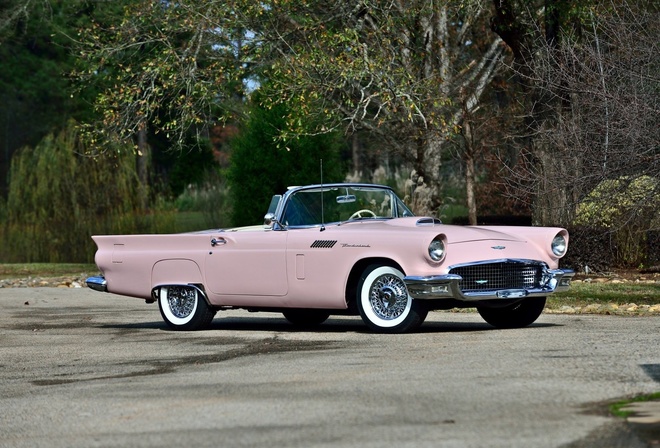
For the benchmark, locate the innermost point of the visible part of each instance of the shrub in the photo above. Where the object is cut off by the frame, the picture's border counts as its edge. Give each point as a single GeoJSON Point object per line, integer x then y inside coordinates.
{"type": "Point", "coordinates": [627, 208]}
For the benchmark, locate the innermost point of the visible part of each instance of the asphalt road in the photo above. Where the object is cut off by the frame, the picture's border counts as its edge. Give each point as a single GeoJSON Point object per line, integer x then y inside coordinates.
{"type": "Point", "coordinates": [80, 368]}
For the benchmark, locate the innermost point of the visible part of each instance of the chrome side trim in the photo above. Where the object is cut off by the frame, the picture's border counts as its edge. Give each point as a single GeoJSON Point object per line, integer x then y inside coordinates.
{"type": "Point", "coordinates": [447, 287]}
{"type": "Point", "coordinates": [97, 283]}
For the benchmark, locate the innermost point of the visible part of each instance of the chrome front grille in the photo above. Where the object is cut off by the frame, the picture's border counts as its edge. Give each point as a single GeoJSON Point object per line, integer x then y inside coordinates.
{"type": "Point", "coordinates": [499, 275]}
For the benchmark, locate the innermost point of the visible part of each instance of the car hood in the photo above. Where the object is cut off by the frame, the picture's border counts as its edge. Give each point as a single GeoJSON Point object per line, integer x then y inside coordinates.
{"type": "Point", "coordinates": [459, 234]}
{"type": "Point", "coordinates": [454, 234]}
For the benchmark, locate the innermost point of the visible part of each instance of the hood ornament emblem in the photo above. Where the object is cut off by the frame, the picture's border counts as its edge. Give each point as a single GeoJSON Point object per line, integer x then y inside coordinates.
{"type": "Point", "coordinates": [498, 247]}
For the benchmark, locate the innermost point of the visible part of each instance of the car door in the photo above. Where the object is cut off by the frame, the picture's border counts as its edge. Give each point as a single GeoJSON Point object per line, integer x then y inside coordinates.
{"type": "Point", "coordinates": [318, 267]}
{"type": "Point", "coordinates": [251, 262]}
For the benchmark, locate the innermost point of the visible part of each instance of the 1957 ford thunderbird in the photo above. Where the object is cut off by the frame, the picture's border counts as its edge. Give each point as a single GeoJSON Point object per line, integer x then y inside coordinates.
{"type": "Point", "coordinates": [339, 249]}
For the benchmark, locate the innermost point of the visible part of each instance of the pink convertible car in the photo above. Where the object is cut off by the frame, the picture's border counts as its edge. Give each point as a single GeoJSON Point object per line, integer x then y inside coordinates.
{"type": "Point", "coordinates": [339, 249]}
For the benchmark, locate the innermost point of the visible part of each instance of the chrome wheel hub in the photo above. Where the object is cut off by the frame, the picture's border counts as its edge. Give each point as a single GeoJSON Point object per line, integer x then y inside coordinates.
{"type": "Point", "coordinates": [388, 297]}
{"type": "Point", "coordinates": [181, 301]}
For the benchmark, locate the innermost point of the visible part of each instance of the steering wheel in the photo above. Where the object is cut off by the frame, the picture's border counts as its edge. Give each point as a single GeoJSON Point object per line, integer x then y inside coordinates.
{"type": "Point", "coordinates": [362, 213]}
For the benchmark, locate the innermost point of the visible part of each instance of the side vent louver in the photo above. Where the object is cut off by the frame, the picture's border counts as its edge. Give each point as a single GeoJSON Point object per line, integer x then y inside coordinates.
{"type": "Point", "coordinates": [323, 244]}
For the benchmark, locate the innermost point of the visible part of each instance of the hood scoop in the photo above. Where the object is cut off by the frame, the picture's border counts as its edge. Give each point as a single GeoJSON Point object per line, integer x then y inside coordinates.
{"type": "Point", "coordinates": [428, 222]}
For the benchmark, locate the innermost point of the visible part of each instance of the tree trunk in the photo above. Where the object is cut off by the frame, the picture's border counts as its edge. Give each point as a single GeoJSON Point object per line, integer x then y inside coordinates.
{"type": "Point", "coordinates": [469, 185]}
{"type": "Point", "coordinates": [470, 175]}
{"type": "Point", "coordinates": [551, 206]}
{"type": "Point", "coordinates": [427, 183]}
{"type": "Point", "coordinates": [355, 150]}
{"type": "Point", "coordinates": [143, 167]}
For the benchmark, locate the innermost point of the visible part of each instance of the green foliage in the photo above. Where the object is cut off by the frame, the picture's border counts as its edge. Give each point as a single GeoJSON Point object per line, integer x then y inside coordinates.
{"type": "Point", "coordinates": [617, 201]}
{"type": "Point", "coordinates": [59, 197]}
{"type": "Point", "coordinates": [3, 210]}
{"type": "Point", "coordinates": [210, 198]}
{"type": "Point", "coordinates": [369, 66]}
{"type": "Point", "coordinates": [36, 40]}
{"type": "Point", "coordinates": [626, 206]}
{"type": "Point", "coordinates": [262, 165]}
{"type": "Point", "coordinates": [165, 64]}
{"type": "Point", "coordinates": [189, 169]}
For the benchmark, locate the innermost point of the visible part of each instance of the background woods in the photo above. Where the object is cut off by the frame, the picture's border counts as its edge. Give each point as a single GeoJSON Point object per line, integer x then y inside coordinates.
{"type": "Point", "coordinates": [134, 115]}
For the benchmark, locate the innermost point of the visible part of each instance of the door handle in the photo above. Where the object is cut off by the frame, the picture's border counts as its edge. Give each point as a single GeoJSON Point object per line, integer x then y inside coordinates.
{"type": "Point", "coordinates": [218, 241]}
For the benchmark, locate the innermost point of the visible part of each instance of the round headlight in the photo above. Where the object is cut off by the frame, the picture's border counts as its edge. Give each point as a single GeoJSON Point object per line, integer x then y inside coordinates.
{"type": "Point", "coordinates": [559, 245]}
{"type": "Point", "coordinates": [437, 249]}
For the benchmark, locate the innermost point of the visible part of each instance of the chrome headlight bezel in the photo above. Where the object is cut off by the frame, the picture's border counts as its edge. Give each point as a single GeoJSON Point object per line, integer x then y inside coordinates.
{"type": "Point", "coordinates": [559, 245]}
{"type": "Point", "coordinates": [437, 249]}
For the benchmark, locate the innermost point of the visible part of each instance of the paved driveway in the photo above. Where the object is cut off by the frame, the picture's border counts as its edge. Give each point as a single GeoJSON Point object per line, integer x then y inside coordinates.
{"type": "Point", "coordinates": [80, 369]}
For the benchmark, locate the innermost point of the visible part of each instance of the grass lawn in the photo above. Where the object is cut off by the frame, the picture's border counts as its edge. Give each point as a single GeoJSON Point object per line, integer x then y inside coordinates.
{"type": "Point", "coordinates": [587, 293]}
{"type": "Point", "coordinates": [22, 270]}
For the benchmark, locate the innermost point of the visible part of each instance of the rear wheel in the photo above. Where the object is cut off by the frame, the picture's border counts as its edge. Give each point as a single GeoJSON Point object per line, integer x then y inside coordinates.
{"type": "Point", "coordinates": [184, 308]}
{"type": "Point", "coordinates": [519, 315]}
{"type": "Point", "coordinates": [306, 317]}
{"type": "Point", "coordinates": [384, 303]}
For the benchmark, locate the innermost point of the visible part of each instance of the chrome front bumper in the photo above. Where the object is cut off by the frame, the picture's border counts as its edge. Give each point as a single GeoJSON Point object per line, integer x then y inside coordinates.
{"type": "Point", "coordinates": [448, 287]}
{"type": "Point", "coordinates": [97, 284]}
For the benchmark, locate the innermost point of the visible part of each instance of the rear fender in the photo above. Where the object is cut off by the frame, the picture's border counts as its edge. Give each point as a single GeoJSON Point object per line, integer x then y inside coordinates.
{"type": "Point", "coordinates": [176, 272]}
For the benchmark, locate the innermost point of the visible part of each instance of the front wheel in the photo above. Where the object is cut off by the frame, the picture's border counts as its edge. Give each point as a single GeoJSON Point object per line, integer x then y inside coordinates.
{"type": "Point", "coordinates": [384, 303]}
{"type": "Point", "coordinates": [184, 308]}
{"type": "Point", "coordinates": [518, 315]}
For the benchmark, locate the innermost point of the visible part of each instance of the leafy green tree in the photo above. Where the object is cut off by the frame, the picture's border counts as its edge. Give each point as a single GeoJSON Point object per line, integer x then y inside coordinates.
{"type": "Point", "coordinates": [261, 167]}
{"type": "Point", "coordinates": [168, 67]}
{"type": "Point", "coordinates": [58, 197]}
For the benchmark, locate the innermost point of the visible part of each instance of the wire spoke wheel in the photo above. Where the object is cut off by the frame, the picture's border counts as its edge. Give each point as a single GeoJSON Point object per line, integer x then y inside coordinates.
{"type": "Point", "coordinates": [182, 301]}
{"type": "Point", "coordinates": [384, 303]}
{"type": "Point", "coordinates": [184, 307]}
{"type": "Point", "coordinates": [388, 297]}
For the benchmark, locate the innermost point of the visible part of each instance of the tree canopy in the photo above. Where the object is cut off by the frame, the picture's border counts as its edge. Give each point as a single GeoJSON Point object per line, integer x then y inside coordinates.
{"type": "Point", "coordinates": [406, 74]}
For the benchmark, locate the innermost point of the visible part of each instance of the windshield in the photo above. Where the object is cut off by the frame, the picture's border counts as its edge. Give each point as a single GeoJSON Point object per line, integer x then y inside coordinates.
{"type": "Point", "coordinates": [317, 206]}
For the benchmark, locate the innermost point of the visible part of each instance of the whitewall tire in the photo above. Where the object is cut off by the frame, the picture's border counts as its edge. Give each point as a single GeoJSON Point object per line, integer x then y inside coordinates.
{"type": "Point", "coordinates": [384, 303]}
{"type": "Point", "coordinates": [183, 307]}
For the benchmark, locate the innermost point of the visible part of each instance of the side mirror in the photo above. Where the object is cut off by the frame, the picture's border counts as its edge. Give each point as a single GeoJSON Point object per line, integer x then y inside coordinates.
{"type": "Point", "coordinates": [269, 219]}
{"type": "Point", "coordinates": [271, 222]}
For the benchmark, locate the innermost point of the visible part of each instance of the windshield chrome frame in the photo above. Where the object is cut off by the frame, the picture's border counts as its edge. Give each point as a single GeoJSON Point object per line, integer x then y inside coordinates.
{"type": "Point", "coordinates": [281, 207]}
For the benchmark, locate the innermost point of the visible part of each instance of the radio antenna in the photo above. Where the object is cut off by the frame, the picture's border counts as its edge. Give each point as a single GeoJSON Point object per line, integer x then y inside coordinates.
{"type": "Point", "coordinates": [322, 217]}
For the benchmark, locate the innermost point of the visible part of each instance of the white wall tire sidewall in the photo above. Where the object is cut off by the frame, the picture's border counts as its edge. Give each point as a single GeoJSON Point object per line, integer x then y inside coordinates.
{"type": "Point", "coordinates": [366, 305]}
{"type": "Point", "coordinates": [167, 311]}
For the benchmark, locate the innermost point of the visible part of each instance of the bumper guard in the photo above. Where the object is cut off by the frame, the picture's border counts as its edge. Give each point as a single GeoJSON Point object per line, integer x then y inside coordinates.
{"type": "Point", "coordinates": [448, 287]}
